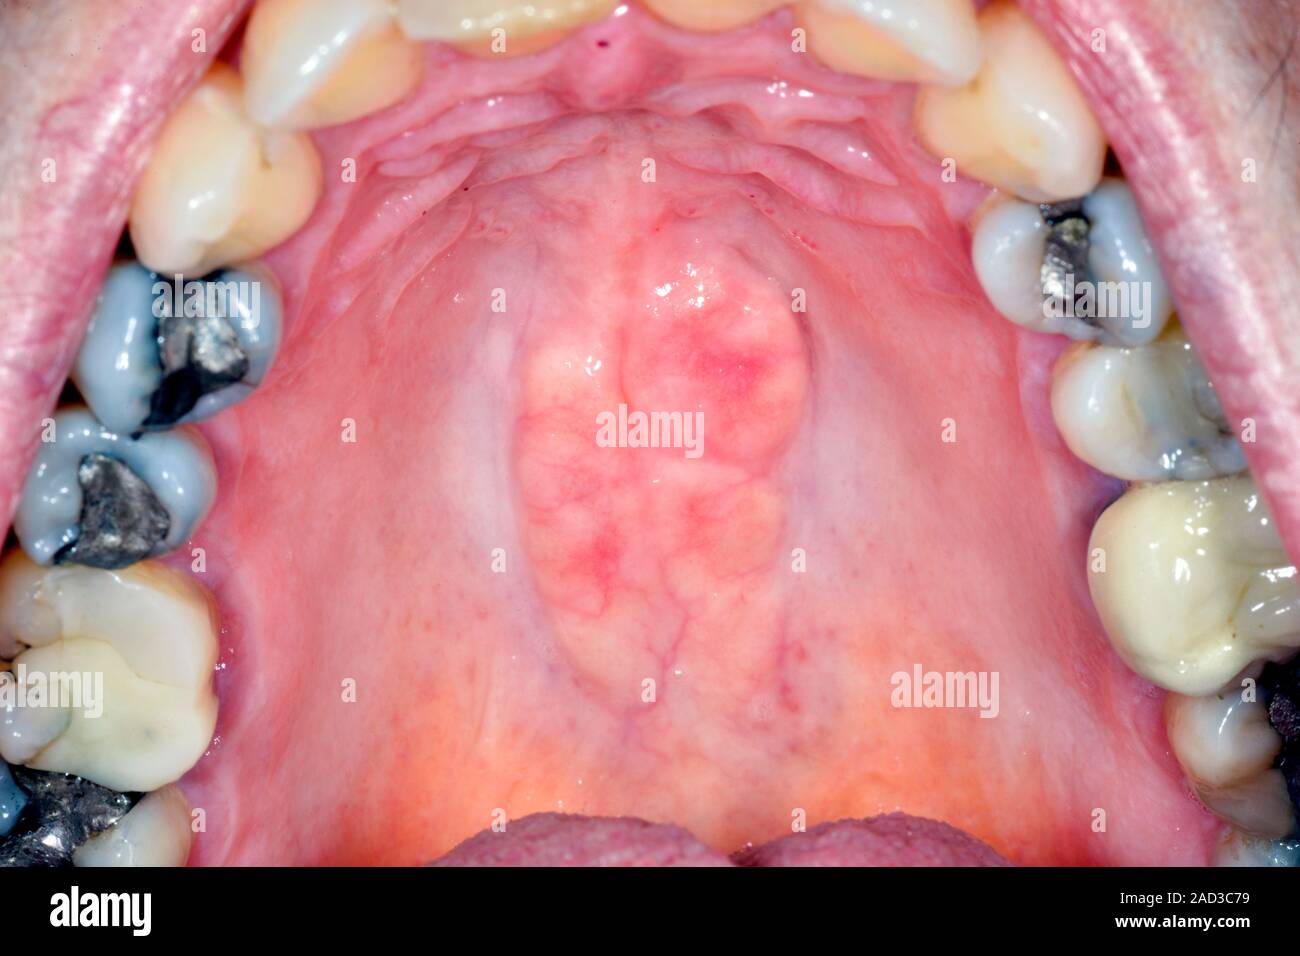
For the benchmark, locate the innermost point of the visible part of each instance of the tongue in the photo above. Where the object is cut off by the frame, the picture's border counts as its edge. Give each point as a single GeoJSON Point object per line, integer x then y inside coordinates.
{"type": "Point", "coordinates": [424, 633]}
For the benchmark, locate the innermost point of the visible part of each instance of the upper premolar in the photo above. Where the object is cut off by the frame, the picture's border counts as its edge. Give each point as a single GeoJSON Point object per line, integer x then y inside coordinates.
{"type": "Point", "coordinates": [1090, 273]}
{"type": "Point", "coordinates": [146, 365]}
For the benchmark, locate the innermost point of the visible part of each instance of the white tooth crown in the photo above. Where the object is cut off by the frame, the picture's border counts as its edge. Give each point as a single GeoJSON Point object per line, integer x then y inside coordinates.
{"type": "Point", "coordinates": [146, 635]}
{"type": "Point", "coordinates": [1022, 124]}
{"type": "Point", "coordinates": [1226, 747]}
{"type": "Point", "coordinates": [1192, 584]}
{"type": "Point", "coordinates": [711, 16]}
{"type": "Point", "coordinates": [1143, 414]}
{"type": "Point", "coordinates": [313, 63]}
{"type": "Point", "coordinates": [219, 188]}
{"type": "Point", "coordinates": [526, 24]}
{"type": "Point", "coordinates": [931, 41]}
{"type": "Point", "coordinates": [156, 832]}
{"type": "Point", "coordinates": [1119, 251]}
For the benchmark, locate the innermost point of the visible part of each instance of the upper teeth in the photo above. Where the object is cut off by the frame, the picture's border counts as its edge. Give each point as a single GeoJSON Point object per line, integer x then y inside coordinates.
{"type": "Point", "coordinates": [1022, 124]}
{"type": "Point", "coordinates": [1143, 414]}
{"type": "Point", "coordinates": [717, 15]}
{"type": "Point", "coordinates": [218, 188]}
{"type": "Point", "coordinates": [1226, 747]}
{"type": "Point", "coordinates": [175, 466]}
{"type": "Point", "coordinates": [120, 369]}
{"type": "Point", "coordinates": [468, 21]}
{"type": "Point", "coordinates": [1192, 584]}
{"type": "Point", "coordinates": [145, 637]}
{"type": "Point", "coordinates": [313, 63]}
{"type": "Point", "coordinates": [156, 832]}
{"type": "Point", "coordinates": [1124, 299]}
{"type": "Point", "coordinates": [1241, 849]}
{"type": "Point", "coordinates": [935, 41]}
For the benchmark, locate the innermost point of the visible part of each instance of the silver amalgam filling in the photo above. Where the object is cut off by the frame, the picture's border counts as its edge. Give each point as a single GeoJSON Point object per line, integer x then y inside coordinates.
{"type": "Point", "coordinates": [167, 350]}
{"type": "Point", "coordinates": [94, 496]}
{"type": "Point", "coordinates": [122, 520]}
{"type": "Point", "coordinates": [1065, 252]}
{"type": "Point", "coordinates": [200, 355]}
{"type": "Point", "coordinates": [61, 814]}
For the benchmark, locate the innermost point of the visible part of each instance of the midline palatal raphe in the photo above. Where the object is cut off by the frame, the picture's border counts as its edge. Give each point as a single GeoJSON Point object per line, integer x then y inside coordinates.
{"type": "Point", "coordinates": [637, 429]}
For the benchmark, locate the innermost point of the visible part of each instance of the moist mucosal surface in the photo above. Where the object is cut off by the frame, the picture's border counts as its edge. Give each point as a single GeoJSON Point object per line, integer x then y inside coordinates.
{"type": "Point", "coordinates": [628, 631]}
{"type": "Point", "coordinates": [475, 558]}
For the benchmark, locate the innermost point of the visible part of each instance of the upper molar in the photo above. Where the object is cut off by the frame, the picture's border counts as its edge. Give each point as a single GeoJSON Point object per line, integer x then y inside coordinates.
{"type": "Point", "coordinates": [1022, 124]}
{"type": "Point", "coordinates": [148, 364]}
{"type": "Point", "coordinates": [145, 637]}
{"type": "Point", "coordinates": [313, 63]}
{"type": "Point", "coordinates": [99, 498]}
{"type": "Point", "coordinates": [520, 26]}
{"type": "Point", "coordinates": [1226, 747]}
{"type": "Point", "coordinates": [1242, 849]}
{"type": "Point", "coordinates": [1192, 584]}
{"type": "Point", "coordinates": [930, 41]}
{"type": "Point", "coordinates": [711, 15]}
{"type": "Point", "coordinates": [156, 832]}
{"type": "Point", "coordinates": [1143, 414]}
{"type": "Point", "coordinates": [219, 188]}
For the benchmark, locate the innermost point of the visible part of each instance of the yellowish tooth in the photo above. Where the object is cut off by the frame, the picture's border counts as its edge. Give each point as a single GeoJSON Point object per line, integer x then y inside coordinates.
{"type": "Point", "coordinates": [1022, 124]}
{"type": "Point", "coordinates": [913, 41]}
{"type": "Point", "coordinates": [1226, 747]}
{"type": "Point", "coordinates": [140, 645]}
{"type": "Point", "coordinates": [499, 27]}
{"type": "Point", "coordinates": [711, 16]}
{"type": "Point", "coordinates": [313, 63]}
{"type": "Point", "coordinates": [1192, 584]}
{"type": "Point", "coordinates": [156, 832]}
{"type": "Point", "coordinates": [218, 188]}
